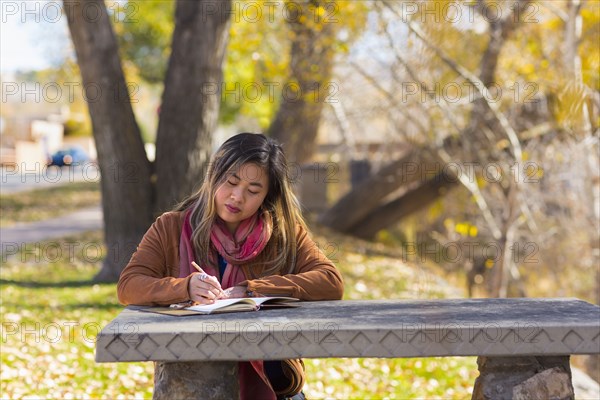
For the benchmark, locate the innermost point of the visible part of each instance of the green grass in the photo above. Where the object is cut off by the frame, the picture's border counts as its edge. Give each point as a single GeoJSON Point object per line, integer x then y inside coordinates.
{"type": "Point", "coordinates": [37, 205]}
{"type": "Point", "coordinates": [51, 313]}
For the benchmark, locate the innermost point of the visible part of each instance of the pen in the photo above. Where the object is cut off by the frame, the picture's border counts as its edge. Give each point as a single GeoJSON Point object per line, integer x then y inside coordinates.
{"type": "Point", "coordinates": [197, 267]}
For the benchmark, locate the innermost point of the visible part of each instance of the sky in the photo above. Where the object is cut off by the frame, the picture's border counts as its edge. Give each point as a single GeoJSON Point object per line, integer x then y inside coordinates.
{"type": "Point", "coordinates": [32, 35]}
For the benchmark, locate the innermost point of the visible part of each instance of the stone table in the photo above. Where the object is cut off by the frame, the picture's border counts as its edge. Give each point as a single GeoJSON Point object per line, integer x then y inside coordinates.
{"type": "Point", "coordinates": [515, 339]}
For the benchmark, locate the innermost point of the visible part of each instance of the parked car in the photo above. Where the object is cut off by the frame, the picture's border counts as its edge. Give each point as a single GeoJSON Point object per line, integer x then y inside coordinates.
{"type": "Point", "coordinates": [69, 156]}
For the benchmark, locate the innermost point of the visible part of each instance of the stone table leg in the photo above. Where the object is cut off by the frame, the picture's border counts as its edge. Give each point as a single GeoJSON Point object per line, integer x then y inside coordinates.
{"type": "Point", "coordinates": [196, 380]}
{"type": "Point", "coordinates": [526, 377]}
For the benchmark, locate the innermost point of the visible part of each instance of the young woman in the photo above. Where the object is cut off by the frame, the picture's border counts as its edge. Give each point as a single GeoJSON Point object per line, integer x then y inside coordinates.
{"type": "Point", "coordinates": [244, 228]}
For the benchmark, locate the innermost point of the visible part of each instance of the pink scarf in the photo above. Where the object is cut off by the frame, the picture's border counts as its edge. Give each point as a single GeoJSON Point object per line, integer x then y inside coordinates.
{"type": "Point", "coordinates": [250, 238]}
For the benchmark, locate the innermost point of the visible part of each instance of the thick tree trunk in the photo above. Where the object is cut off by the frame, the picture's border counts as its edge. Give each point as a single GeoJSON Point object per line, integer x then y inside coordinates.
{"type": "Point", "coordinates": [499, 30]}
{"type": "Point", "coordinates": [354, 207]}
{"type": "Point", "coordinates": [411, 202]}
{"type": "Point", "coordinates": [124, 168]}
{"type": "Point", "coordinates": [190, 103]}
{"type": "Point", "coordinates": [307, 89]}
{"type": "Point", "coordinates": [188, 118]}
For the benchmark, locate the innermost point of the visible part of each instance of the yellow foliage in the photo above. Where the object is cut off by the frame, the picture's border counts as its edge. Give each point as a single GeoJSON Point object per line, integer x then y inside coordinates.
{"type": "Point", "coordinates": [568, 107]}
{"type": "Point", "coordinates": [465, 229]}
{"type": "Point", "coordinates": [461, 228]}
{"type": "Point", "coordinates": [481, 182]}
{"type": "Point", "coordinates": [534, 55]}
{"type": "Point", "coordinates": [436, 210]}
{"type": "Point", "coordinates": [319, 11]}
{"type": "Point", "coordinates": [258, 53]}
{"type": "Point", "coordinates": [472, 231]}
{"type": "Point", "coordinates": [527, 69]}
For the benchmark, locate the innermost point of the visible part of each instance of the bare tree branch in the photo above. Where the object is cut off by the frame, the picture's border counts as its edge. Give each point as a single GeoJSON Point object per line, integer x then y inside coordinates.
{"type": "Point", "coordinates": [389, 96]}
{"type": "Point", "coordinates": [473, 80]}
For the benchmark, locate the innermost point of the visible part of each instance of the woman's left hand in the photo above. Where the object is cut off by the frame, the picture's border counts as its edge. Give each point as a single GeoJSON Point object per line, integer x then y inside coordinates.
{"type": "Point", "coordinates": [234, 292]}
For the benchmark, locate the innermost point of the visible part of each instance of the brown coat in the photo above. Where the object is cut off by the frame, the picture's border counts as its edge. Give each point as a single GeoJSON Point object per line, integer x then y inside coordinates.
{"type": "Point", "coordinates": [151, 277]}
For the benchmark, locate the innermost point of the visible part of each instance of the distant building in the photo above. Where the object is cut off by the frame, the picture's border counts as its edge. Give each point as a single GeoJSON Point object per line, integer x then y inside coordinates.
{"type": "Point", "coordinates": [32, 123]}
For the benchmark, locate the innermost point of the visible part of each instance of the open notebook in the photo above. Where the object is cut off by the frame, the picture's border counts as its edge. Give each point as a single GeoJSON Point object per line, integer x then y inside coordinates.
{"type": "Point", "coordinates": [227, 305]}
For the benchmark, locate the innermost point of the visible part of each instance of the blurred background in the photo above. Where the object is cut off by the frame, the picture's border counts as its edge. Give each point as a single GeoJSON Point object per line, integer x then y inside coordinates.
{"type": "Point", "coordinates": [459, 139]}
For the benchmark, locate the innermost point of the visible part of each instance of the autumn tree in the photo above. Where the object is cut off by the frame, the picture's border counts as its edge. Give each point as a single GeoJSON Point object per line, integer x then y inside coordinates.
{"type": "Point", "coordinates": [134, 190]}
{"type": "Point", "coordinates": [311, 62]}
{"type": "Point", "coordinates": [473, 127]}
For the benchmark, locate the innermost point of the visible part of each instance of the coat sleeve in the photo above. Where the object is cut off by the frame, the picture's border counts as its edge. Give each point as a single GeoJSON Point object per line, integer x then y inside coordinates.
{"type": "Point", "coordinates": [149, 277]}
{"type": "Point", "coordinates": [314, 278]}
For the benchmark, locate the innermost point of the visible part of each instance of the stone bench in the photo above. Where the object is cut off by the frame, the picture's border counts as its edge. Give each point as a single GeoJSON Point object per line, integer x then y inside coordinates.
{"type": "Point", "coordinates": [514, 339]}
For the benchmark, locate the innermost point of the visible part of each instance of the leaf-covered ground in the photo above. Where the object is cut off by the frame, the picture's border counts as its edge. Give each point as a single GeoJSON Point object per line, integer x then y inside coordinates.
{"type": "Point", "coordinates": [51, 313]}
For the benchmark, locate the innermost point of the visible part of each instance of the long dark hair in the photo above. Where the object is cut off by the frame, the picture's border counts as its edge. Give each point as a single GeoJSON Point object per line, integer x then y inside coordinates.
{"type": "Point", "coordinates": [280, 200]}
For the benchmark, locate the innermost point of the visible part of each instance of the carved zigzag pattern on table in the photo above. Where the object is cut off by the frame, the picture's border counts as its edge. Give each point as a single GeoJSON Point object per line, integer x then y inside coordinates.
{"type": "Point", "coordinates": [489, 340]}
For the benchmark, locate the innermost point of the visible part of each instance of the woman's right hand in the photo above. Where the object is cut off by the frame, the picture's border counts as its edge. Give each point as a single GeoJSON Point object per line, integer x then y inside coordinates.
{"type": "Point", "coordinates": [204, 288]}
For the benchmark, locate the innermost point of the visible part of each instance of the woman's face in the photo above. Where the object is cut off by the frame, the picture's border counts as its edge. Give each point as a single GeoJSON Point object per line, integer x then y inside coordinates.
{"type": "Point", "coordinates": [241, 195]}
